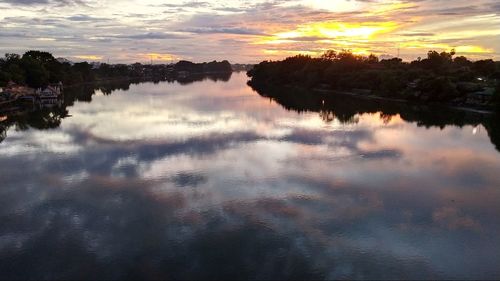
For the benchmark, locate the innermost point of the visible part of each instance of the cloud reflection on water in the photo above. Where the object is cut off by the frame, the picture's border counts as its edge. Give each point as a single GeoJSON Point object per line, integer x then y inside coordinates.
{"type": "Point", "coordinates": [210, 180]}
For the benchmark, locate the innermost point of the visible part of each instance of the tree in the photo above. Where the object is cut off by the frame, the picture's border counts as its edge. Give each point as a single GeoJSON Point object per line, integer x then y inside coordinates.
{"type": "Point", "coordinates": [42, 57]}
{"type": "Point", "coordinates": [438, 61]}
{"type": "Point", "coordinates": [462, 61]}
{"type": "Point", "coordinates": [392, 63]}
{"type": "Point", "coordinates": [372, 59]}
{"type": "Point", "coordinates": [85, 70]}
{"type": "Point", "coordinates": [10, 69]}
{"type": "Point", "coordinates": [36, 75]}
{"type": "Point", "coordinates": [484, 67]}
{"type": "Point", "coordinates": [329, 55]}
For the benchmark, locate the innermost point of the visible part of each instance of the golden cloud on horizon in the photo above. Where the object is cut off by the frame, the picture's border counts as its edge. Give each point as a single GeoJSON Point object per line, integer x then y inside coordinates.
{"type": "Point", "coordinates": [385, 8]}
{"type": "Point", "coordinates": [362, 38]}
{"type": "Point", "coordinates": [88, 57]}
{"type": "Point", "coordinates": [334, 30]}
{"type": "Point", "coordinates": [159, 57]}
{"type": "Point", "coordinates": [328, 35]}
{"type": "Point", "coordinates": [467, 49]}
{"type": "Point", "coordinates": [290, 52]}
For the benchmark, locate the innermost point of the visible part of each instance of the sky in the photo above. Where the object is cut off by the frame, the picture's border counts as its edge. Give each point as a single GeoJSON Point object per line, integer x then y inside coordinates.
{"type": "Point", "coordinates": [241, 31]}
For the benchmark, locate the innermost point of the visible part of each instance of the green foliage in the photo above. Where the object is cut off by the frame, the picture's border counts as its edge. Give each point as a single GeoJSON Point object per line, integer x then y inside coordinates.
{"type": "Point", "coordinates": [438, 89]}
{"type": "Point", "coordinates": [329, 55]}
{"type": "Point", "coordinates": [33, 68]}
{"type": "Point", "coordinates": [37, 69]}
{"type": "Point", "coordinates": [210, 67]}
{"type": "Point", "coordinates": [462, 61]}
{"type": "Point", "coordinates": [392, 63]}
{"type": "Point", "coordinates": [434, 78]}
{"type": "Point", "coordinates": [391, 83]}
{"type": "Point", "coordinates": [10, 69]}
{"type": "Point", "coordinates": [436, 62]}
{"type": "Point", "coordinates": [496, 97]}
{"type": "Point", "coordinates": [35, 73]}
{"type": "Point", "coordinates": [41, 57]}
{"type": "Point", "coordinates": [484, 68]}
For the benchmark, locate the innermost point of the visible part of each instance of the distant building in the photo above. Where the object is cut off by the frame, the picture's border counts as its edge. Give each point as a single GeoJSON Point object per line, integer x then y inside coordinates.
{"type": "Point", "coordinates": [49, 91]}
{"type": "Point", "coordinates": [242, 67]}
{"type": "Point", "coordinates": [64, 60]}
{"type": "Point", "coordinates": [51, 94]}
{"type": "Point", "coordinates": [95, 65]}
{"type": "Point", "coordinates": [15, 90]}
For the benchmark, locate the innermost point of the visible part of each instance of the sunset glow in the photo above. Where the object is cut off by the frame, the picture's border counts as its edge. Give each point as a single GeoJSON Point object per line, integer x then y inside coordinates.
{"type": "Point", "coordinates": [122, 31]}
{"type": "Point", "coordinates": [88, 57]}
{"type": "Point", "coordinates": [249, 139]}
{"type": "Point", "coordinates": [159, 57]}
{"type": "Point", "coordinates": [336, 30]}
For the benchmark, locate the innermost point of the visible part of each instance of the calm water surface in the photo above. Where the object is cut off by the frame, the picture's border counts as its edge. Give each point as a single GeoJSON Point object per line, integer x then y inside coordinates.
{"type": "Point", "coordinates": [212, 180]}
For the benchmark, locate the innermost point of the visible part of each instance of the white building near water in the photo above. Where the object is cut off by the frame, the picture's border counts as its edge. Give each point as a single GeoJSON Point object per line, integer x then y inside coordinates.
{"type": "Point", "coordinates": [51, 90]}
{"type": "Point", "coordinates": [51, 94]}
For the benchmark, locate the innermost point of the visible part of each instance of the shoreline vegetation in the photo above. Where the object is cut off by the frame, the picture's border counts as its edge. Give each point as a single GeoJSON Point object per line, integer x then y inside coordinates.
{"type": "Point", "coordinates": [329, 85]}
{"type": "Point", "coordinates": [440, 78]}
{"type": "Point", "coordinates": [32, 94]}
{"type": "Point", "coordinates": [346, 109]}
{"type": "Point", "coordinates": [32, 79]}
{"type": "Point", "coordinates": [37, 69]}
{"type": "Point", "coordinates": [51, 116]}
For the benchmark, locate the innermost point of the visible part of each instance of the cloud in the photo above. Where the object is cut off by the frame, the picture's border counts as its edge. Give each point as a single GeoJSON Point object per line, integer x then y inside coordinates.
{"type": "Point", "coordinates": [226, 30]}
{"type": "Point", "coordinates": [417, 34]}
{"type": "Point", "coordinates": [189, 4]}
{"type": "Point", "coordinates": [58, 3]}
{"type": "Point", "coordinates": [87, 18]}
{"type": "Point", "coordinates": [177, 207]}
{"type": "Point", "coordinates": [253, 28]}
{"type": "Point", "coordinates": [150, 35]}
{"type": "Point", "coordinates": [25, 2]}
{"type": "Point", "coordinates": [453, 219]}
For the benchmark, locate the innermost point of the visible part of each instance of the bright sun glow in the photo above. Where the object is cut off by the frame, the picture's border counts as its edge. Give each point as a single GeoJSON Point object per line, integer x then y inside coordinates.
{"type": "Point", "coordinates": [243, 31]}
{"type": "Point", "coordinates": [335, 30]}
{"type": "Point", "coordinates": [466, 49]}
{"type": "Point", "coordinates": [327, 35]}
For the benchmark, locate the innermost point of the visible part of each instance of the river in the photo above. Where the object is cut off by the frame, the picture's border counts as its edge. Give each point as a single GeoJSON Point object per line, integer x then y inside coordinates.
{"type": "Point", "coordinates": [210, 180]}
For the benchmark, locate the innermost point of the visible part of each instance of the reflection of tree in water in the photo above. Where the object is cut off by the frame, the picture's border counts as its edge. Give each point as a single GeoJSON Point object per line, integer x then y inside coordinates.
{"type": "Point", "coordinates": [493, 129]}
{"type": "Point", "coordinates": [329, 116]}
{"type": "Point", "coordinates": [222, 76]}
{"type": "Point", "coordinates": [42, 120]}
{"type": "Point", "coordinates": [386, 118]}
{"type": "Point", "coordinates": [84, 92]}
{"type": "Point", "coordinates": [3, 133]}
{"type": "Point", "coordinates": [50, 118]}
{"type": "Point", "coordinates": [346, 109]}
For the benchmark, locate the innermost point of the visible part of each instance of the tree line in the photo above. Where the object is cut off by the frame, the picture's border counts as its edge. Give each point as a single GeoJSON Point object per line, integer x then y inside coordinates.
{"type": "Point", "coordinates": [38, 69]}
{"type": "Point", "coordinates": [438, 77]}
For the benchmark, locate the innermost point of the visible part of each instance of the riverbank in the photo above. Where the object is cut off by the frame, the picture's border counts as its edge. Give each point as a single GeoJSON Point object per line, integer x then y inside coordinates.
{"type": "Point", "coordinates": [491, 110]}
{"type": "Point", "coordinates": [487, 107]}
{"type": "Point", "coordinates": [438, 79]}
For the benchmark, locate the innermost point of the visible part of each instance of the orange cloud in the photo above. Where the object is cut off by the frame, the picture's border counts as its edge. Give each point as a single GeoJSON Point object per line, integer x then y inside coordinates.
{"type": "Point", "coordinates": [159, 57]}
{"type": "Point", "coordinates": [88, 57]}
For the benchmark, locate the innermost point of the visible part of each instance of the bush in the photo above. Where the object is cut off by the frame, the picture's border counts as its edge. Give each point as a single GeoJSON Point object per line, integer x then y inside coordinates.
{"type": "Point", "coordinates": [496, 97]}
